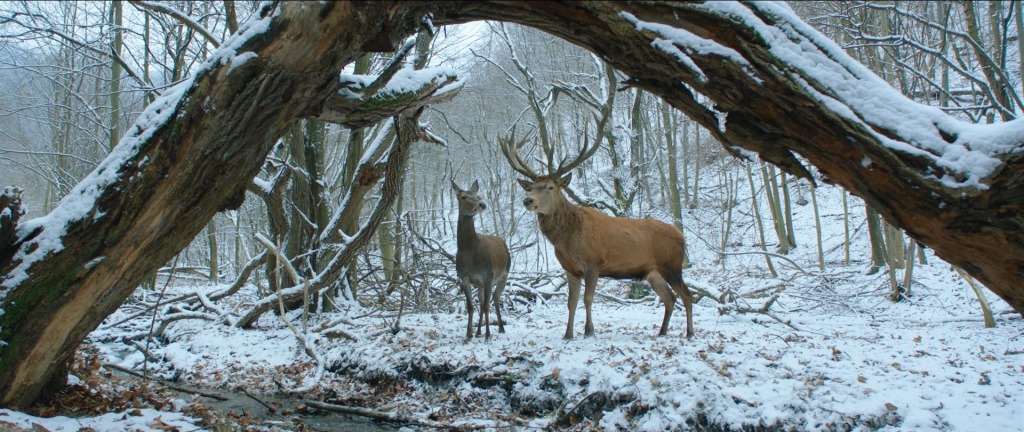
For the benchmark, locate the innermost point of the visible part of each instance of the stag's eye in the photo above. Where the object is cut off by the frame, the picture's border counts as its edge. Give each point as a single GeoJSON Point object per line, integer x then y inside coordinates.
{"type": "Point", "coordinates": [551, 188]}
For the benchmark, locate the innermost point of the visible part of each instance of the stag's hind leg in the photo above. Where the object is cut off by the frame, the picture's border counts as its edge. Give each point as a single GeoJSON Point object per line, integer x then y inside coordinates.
{"type": "Point", "coordinates": [590, 281]}
{"type": "Point", "coordinates": [684, 291]}
{"type": "Point", "coordinates": [661, 287]}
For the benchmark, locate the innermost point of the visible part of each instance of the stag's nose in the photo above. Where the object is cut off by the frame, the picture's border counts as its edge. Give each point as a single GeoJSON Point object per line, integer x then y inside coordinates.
{"type": "Point", "coordinates": [528, 202]}
{"type": "Point", "coordinates": [483, 206]}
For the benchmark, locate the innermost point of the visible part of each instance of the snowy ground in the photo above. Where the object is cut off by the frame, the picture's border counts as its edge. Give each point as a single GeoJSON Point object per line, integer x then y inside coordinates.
{"type": "Point", "coordinates": [144, 419]}
{"type": "Point", "coordinates": [866, 364]}
{"type": "Point", "coordinates": [832, 354]}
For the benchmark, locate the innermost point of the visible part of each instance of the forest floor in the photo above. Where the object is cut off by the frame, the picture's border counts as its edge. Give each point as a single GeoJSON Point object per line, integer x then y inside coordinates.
{"type": "Point", "coordinates": [831, 353]}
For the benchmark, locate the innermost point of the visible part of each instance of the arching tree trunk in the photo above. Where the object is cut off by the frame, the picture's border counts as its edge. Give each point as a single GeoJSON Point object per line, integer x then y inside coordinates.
{"type": "Point", "coordinates": [779, 89]}
{"type": "Point", "coordinates": [192, 153]}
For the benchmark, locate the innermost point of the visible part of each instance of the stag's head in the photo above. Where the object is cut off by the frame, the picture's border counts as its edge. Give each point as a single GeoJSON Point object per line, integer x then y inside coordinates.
{"type": "Point", "coordinates": [544, 192]}
{"type": "Point", "coordinates": [470, 203]}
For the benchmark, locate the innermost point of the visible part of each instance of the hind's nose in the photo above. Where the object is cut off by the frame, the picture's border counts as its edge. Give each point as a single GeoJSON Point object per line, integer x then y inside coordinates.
{"type": "Point", "coordinates": [483, 206]}
{"type": "Point", "coordinates": [528, 202]}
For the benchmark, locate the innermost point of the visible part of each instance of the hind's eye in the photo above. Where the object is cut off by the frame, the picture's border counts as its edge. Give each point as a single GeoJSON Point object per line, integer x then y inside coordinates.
{"type": "Point", "coordinates": [551, 188]}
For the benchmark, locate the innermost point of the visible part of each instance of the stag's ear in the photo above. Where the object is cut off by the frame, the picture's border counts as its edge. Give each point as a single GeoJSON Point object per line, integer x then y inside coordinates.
{"type": "Point", "coordinates": [564, 181]}
{"type": "Point", "coordinates": [456, 187]}
{"type": "Point", "coordinates": [475, 187]}
{"type": "Point", "coordinates": [525, 184]}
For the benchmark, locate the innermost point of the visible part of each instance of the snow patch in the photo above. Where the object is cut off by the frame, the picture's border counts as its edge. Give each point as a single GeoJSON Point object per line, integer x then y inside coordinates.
{"type": "Point", "coordinates": [406, 80]}
{"type": "Point", "coordinates": [241, 59]}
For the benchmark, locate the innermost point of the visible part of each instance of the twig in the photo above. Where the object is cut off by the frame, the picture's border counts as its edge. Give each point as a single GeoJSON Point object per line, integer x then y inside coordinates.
{"type": "Point", "coordinates": [773, 255]}
{"type": "Point", "coordinates": [176, 387]}
{"type": "Point", "coordinates": [986, 310]}
{"type": "Point", "coordinates": [181, 17]}
{"type": "Point", "coordinates": [284, 262]}
{"type": "Point", "coordinates": [258, 400]}
{"type": "Point", "coordinates": [178, 316]}
{"type": "Point", "coordinates": [152, 322]}
{"type": "Point", "coordinates": [239, 282]}
{"type": "Point", "coordinates": [391, 416]}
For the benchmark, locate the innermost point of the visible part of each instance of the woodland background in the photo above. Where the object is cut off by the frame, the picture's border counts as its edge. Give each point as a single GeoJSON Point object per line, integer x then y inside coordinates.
{"type": "Point", "coordinates": [74, 75]}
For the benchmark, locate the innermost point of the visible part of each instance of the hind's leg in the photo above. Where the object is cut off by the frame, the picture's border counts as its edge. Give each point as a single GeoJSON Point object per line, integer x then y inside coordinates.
{"type": "Point", "coordinates": [498, 289]}
{"type": "Point", "coordinates": [485, 309]}
{"type": "Point", "coordinates": [467, 289]}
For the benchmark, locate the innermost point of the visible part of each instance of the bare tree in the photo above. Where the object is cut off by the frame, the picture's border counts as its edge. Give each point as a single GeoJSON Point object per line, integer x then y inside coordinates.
{"type": "Point", "coordinates": [161, 185]}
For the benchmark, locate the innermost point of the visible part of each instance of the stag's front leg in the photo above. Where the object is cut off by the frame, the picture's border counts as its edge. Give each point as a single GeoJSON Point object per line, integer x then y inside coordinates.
{"type": "Point", "coordinates": [467, 289]}
{"type": "Point", "coordinates": [588, 301]}
{"type": "Point", "coordinates": [574, 299]}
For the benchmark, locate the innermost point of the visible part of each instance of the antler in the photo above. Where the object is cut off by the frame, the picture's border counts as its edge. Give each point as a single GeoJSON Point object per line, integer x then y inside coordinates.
{"type": "Point", "coordinates": [585, 153]}
{"type": "Point", "coordinates": [510, 148]}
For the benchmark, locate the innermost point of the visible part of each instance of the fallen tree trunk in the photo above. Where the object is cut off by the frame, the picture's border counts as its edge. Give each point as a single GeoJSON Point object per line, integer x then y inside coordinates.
{"type": "Point", "coordinates": [192, 153]}
{"type": "Point", "coordinates": [785, 93]}
{"type": "Point", "coordinates": [779, 90]}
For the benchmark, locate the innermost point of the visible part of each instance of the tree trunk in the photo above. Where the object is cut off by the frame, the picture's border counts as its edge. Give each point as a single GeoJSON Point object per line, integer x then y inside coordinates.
{"type": "Point", "coordinates": [878, 257]}
{"type": "Point", "coordinates": [760, 223]}
{"type": "Point", "coordinates": [185, 159]}
{"type": "Point", "coordinates": [817, 230]}
{"type": "Point", "coordinates": [116, 9]}
{"type": "Point", "coordinates": [211, 237]}
{"type": "Point", "coordinates": [774, 201]}
{"type": "Point", "coordinates": [787, 212]}
{"type": "Point", "coordinates": [1019, 21]}
{"type": "Point", "coordinates": [189, 157]}
{"type": "Point", "coordinates": [675, 201]}
{"type": "Point", "coordinates": [997, 86]}
{"type": "Point", "coordinates": [230, 17]}
{"type": "Point", "coordinates": [846, 230]}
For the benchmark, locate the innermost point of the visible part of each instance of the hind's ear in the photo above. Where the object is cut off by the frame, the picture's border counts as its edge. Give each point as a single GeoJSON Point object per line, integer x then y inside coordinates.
{"type": "Point", "coordinates": [525, 184]}
{"type": "Point", "coordinates": [456, 187]}
{"type": "Point", "coordinates": [476, 187]}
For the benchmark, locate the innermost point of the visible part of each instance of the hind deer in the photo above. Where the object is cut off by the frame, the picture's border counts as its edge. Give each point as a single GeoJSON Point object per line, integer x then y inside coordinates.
{"type": "Point", "coordinates": [590, 244]}
{"type": "Point", "coordinates": [482, 261]}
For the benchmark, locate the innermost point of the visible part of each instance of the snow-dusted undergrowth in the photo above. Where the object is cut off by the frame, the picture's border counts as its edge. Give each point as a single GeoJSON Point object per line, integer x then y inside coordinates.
{"type": "Point", "coordinates": [835, 353]}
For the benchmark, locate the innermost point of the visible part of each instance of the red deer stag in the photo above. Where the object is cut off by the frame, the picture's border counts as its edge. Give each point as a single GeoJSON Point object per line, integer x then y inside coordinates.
{"type": "Point", "coordinates": [482, 261]}
{"type": "Point", "coordinates": [590, 244]}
